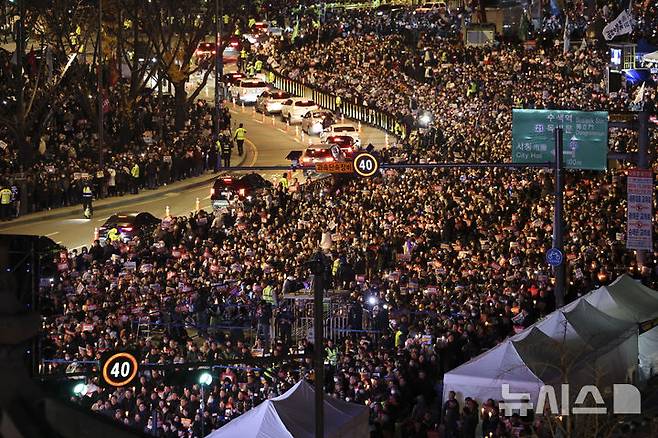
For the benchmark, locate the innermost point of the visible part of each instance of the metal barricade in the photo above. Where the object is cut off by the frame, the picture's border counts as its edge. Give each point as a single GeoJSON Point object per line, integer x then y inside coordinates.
{"type": "Point", "coordinates": [349, 109]}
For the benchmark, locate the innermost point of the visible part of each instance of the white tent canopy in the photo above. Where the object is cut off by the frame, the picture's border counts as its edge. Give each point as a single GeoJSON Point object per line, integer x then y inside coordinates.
{"type": "Point", "coordinates": [629, 300]}
{"type": "Point", "coordinates": [596, 335]}
{"type": "Point", "coordinates": [292, 415]}
{"type": "Point", "coordinates": [650, 59]}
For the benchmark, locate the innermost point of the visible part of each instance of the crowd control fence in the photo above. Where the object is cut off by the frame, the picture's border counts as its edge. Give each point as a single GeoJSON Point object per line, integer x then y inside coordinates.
{"type": "Point", "coordinates": [350, 109]}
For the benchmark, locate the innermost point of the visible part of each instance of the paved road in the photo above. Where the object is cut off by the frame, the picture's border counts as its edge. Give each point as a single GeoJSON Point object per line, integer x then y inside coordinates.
{"type": "Point", "coordinates": [268, 142]}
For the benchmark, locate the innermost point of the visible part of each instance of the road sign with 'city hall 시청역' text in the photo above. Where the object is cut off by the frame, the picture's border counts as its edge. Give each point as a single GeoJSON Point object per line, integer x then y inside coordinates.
{"type": "Point", "coordinates": [584, 136]}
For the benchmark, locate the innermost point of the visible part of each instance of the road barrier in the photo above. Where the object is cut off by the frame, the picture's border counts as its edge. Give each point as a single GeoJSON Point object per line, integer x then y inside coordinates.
{"type": "Point", "coordinates": [350, 109]}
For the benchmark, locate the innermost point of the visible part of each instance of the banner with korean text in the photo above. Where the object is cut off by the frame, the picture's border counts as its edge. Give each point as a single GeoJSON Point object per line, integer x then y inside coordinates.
{"type": "Point", "coordinates": [640, 199]}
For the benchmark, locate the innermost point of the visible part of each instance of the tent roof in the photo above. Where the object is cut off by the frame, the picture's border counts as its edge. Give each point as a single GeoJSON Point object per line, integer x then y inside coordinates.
{"type": "Point", "coordinates": [260, 422]}
{"type": "Point", "coordinates": [291, 415]}
{"type": "Point", "coordinates": [626, 299]}
{"type": "Point", "coordinates": [337, 413]}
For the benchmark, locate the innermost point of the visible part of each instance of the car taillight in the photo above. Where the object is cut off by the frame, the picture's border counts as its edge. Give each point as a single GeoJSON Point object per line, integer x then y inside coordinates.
{"type": "Point", "coordinates": [126, 229]}
{"type": "Point", "coordinates": [227, 180]}
{"type": "Point", "coordinates": [235, 44]}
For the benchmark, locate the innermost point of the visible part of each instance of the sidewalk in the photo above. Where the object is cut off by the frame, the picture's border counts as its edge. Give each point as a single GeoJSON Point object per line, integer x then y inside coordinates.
{"type": "Point", "coordinates": [113, 203]}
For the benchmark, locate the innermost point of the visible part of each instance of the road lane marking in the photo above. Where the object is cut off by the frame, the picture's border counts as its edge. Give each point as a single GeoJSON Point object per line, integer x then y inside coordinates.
{"type": "Point", "coordinates": [251, 143]}
{"type": "Point", "coordinates": [51, 234]}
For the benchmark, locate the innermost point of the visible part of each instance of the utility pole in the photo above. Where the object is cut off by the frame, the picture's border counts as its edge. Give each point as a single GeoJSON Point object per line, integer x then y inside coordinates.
{"type": "Point", "coordinates": [318, 267]}
{"type": "Point", "coordinates": [101, 98]}
{"type": "Point", "coordinates": [24, 152]}
{"type": "Point", "coordinates": [558, 225]}
{"type": "Point", "coordinates": [219, 63]}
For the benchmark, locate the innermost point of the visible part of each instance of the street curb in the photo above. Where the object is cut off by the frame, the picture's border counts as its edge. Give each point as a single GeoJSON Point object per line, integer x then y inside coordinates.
{"type": "Point", "coordinates": [63, 212]}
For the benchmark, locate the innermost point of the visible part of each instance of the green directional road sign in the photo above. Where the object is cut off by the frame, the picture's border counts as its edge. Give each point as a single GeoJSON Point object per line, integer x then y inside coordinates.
{"type": "Point", "coordinates": [585, 137]}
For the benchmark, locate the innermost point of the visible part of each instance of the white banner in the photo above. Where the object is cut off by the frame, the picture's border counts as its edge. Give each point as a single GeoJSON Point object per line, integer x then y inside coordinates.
{"type": "Point", "coordinates": [621, 25]}
{"type": "Point", "coordinates": [640, 200]}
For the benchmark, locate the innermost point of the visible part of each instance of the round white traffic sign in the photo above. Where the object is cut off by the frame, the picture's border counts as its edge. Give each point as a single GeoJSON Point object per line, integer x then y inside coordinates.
{"type": "Point", "coordinates": [366, 164]}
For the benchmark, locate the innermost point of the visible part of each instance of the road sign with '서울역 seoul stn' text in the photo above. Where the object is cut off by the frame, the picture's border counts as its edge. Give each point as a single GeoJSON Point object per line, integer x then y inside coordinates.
{"type": "Point", "coordinates": [584, 137]}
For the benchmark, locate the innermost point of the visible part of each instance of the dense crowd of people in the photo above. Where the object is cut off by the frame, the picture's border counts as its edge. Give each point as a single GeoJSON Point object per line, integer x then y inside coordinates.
{"type": "Point", "coordinates": [149, 155]}
{"type": "Point", "coordinates": [441, 264]}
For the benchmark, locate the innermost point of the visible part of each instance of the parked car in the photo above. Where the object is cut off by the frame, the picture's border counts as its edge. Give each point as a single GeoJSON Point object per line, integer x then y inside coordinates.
{"type": "Point", "coordinates": [227, 189]}
{"type": "Point", "coordinates": [294, 109]}
{"type": "Point", "coordinates": [346, 144]}
{"type": "Point", "coordinates": [248, 90]}
{"type": "Point", "coordinates": [316, 153]}
{"type": "Point", "coordinates": [270, 102]}
{"type": "Point", "coordinates": [341, 129]}
{"type": "Point", "coordinates": [314, 122]}
{"type": "Point", "coordinates": [129, 225]}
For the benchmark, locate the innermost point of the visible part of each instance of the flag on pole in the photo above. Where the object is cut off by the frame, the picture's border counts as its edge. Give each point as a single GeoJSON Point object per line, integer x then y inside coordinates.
{"type": "Point", "coordinates": [621, 25]}
{"type": "Point", "coordinates": [567, 33]}
{"type": "Point", "coordinates": [639, 96]}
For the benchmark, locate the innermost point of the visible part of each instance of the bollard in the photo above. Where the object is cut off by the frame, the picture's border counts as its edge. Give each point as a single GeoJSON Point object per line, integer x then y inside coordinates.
{"type": "Point", "coordinates": [197, 205]}
{"type": "Point", "coordinates": [296, 131]}
{"type": "Point", "coordinates": [242, 104]}
{"type": "Point", "coordinates": [359, 126]}
{"type": "Point", "coordinates": [342, 118]}
{"type": "Point", "coordinates": [263, 116]}
{"type": "Point", "coordinates": [234, 104]}
{"type": "Point", "coordinates": [386, 139]}
{"type": "Point", "coordinates": [96, 233]}
{"type": "Point", "coordinates": [302, 135]}
{"type": "Point", "coordinates": [287, 124]}
{"type": "Point", "coordinates": [167, 211]}
{"type": "Point", "coordinates": [273, 121]}
{"type": "Point", "coordinates": [253, 112]}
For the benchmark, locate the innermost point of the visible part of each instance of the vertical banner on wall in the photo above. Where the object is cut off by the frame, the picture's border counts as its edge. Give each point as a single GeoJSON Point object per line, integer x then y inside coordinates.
{"type": "Point", "coordinates": [640, 199]}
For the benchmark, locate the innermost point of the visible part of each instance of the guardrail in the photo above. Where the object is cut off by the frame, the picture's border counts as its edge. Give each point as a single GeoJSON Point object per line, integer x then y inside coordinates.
{"type": "Point", "coordinates": [362, 113]}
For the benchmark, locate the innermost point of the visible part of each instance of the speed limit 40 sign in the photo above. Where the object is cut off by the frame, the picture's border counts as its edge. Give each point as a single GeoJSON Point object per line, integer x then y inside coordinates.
{"type": "Point", "coordinates": [119, 368]}
{"type": "Point", "coordinates": [366, 165]}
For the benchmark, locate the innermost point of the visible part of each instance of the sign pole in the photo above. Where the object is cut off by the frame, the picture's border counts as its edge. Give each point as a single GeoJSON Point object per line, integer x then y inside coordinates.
{"type": "Point", "coordinates": [558, 225]}
{"type": "Point", "coordinates": [318, 269]}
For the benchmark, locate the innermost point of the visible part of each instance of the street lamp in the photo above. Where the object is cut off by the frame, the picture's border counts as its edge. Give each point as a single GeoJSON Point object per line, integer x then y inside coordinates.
{"type": "Point", "coordinates": [204, 379]}
{"type": "Point", "coordinates": [80, 389]}
{"type": "Point", "coordinates": [425, 119]}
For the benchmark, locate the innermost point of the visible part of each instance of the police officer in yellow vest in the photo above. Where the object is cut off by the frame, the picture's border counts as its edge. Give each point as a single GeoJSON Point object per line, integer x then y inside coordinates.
{"type": "Point", "coordinates": [284, 181]}
{"type": "Point", "coordinates": [252, 22]}
{"type": "Point", "coordinates": [268, 295]}
{"type": "Point", "coordinates": [5, 203]}
{"type": "Point", "coordinates": [87, 197]}
{"type": "Point", "coordinates": [258, 65]}
{"type": "Point", "coordinates": [134, 172]}
{"type": "Point", "coordinates": [226, 19]}
{"type": "Point", "coordinates": [113, 235]}
{"type": "Point", "coordinates": [472, 89]}
{"type": "Point", "coordinates": [270, 77]}
{"type": "Point", "coordinates": [239, 137]}
{"type": "Point", "coordinates": [397, 129]}
{"type": "Point", "coordinates": [339, 103]}
{"type": "Point", "coordinates": [242, 64]}
{"type": "Point", "coordinates": [331, 354]}
{"type": "Point", "coordinates": [251, 70]}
